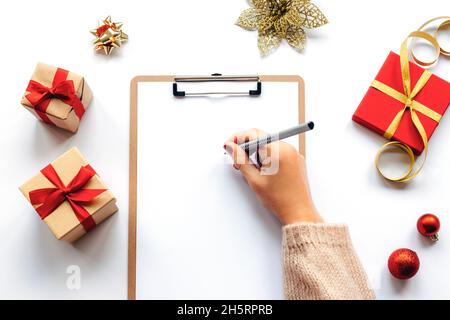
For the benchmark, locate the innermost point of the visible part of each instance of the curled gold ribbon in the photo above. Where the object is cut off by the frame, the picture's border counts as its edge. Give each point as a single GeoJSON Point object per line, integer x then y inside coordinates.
{"type": "Point", "coordinates": [443, 25]}
{"type": "Point", "coordinates": [407, 98]}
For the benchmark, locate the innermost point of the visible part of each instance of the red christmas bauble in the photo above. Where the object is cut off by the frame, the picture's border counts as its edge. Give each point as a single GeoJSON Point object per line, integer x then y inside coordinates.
{"type": "Point", "coordinates": [403, 263]}
{"type": "Point", "coordinates": [428, 225]}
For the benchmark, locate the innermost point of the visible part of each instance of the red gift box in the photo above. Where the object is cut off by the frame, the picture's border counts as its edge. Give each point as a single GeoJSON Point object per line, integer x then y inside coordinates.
{"type": "Point", "coordinates": [377, 110]}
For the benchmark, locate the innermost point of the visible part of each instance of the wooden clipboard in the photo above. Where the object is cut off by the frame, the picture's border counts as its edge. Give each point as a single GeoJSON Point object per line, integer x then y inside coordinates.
{"type": "Point", "coordinates": [133, 156]}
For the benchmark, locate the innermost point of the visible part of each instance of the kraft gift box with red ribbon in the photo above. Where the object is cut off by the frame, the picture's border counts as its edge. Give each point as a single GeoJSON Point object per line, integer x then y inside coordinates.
{"type": "Point", "coordinates": [70, 196]}
{"type": "Point", "coordinates": [57, 97]}
{"type": "Point", "coordinates": [386, 97]}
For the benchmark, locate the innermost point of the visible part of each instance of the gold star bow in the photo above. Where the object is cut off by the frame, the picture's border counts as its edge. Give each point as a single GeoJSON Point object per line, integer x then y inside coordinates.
{"type": "Point", "coordinates": [276, 20]}
{"type": "Point", "coordinates": [109, 36]}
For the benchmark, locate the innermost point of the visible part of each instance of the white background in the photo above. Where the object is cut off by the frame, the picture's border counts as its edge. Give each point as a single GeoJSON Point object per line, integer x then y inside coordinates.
{"type": "Point", "coordinates": [199, 37]}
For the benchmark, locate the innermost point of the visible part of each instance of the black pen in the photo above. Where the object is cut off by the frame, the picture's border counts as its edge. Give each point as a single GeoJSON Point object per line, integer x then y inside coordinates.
{"type": "Point", "coordinates": [251, 146]}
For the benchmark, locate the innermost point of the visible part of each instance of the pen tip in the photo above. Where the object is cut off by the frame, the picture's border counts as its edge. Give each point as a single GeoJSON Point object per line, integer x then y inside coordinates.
{"type": "Point", "coordinates": [311, 125]}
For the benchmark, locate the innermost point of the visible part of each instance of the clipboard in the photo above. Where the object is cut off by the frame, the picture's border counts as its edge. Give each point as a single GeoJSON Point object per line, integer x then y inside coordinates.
{"type": "Point", "coordinates": [257, 89]}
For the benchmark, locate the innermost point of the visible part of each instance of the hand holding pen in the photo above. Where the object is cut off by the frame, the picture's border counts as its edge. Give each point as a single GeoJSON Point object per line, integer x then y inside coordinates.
{"type": "Point", "coordinates": [285, 193]}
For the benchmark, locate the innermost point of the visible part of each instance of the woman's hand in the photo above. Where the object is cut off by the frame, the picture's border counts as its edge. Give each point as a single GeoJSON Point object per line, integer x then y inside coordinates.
{"type": "Point", "coordinates": [280, 182]}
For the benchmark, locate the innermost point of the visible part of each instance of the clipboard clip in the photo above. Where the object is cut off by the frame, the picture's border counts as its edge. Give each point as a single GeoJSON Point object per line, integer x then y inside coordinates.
{"type": "Point", "coordinates": [217, 77]}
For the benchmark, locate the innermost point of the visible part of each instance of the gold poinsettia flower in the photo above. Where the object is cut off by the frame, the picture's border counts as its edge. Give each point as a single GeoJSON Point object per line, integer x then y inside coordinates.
{"type": "Point", "coordinates": [276, 20]}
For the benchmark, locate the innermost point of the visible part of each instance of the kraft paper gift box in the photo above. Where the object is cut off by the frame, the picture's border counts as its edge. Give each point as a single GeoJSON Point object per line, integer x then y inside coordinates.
{"type": "Point", "coordinates": [377, 110]}
{"type": "Point", "coordinates": [57, 97]}
{"type": "Point", "coordinates": [69, 196]}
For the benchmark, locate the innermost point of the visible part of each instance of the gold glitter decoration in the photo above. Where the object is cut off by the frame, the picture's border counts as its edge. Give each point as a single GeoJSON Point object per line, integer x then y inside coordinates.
{"type": "Point", "coordinates": [109, 35]}
{"type": "Point", "coordinates": [276, 20]}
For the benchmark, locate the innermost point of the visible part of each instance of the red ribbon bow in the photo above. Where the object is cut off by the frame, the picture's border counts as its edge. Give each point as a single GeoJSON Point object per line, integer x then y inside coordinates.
{"type": "Point", "coordinates": [52, 198]}
{"type": "Point", "coordinates": [40, 96]}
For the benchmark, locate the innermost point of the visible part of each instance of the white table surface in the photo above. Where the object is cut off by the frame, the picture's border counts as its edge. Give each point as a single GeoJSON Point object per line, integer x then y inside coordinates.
{"type": "Point", "coordinates": [199, 37]}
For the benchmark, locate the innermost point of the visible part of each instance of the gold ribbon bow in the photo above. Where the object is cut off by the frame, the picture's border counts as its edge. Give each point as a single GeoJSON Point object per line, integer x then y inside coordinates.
{"type": "Point", "coordinates": [407, 98]}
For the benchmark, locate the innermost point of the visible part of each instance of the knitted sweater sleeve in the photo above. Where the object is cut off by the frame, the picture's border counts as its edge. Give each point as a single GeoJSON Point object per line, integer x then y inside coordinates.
{"type": "Point", "coordinates": [320, 263]}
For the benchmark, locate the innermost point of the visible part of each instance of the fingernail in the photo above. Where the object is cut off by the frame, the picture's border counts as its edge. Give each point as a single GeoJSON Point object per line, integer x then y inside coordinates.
{"type": "Point", "coordinates": [228, 148]}
{"type": "Point", "coordinates": [235, 140]}
{"type": "Point", "coordinates": [236, 166]}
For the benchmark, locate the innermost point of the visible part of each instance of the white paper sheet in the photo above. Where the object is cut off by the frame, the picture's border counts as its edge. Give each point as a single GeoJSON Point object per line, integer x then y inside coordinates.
{"type": "Point", "coordinates": [201, 232]}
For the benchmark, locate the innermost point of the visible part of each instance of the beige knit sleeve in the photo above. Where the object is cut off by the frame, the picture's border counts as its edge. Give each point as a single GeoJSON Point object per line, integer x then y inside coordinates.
{"type": "Point", "coordinates": [320, 263]}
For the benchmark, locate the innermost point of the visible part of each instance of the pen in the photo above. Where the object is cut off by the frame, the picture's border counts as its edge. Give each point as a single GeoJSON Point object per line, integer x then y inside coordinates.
{"type": "Point", "coordinates": [251, 146]}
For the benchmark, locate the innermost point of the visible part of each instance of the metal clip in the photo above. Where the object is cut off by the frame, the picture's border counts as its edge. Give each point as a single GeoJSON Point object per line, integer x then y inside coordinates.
{"type": "Point", "coordinates": [217, 77]}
